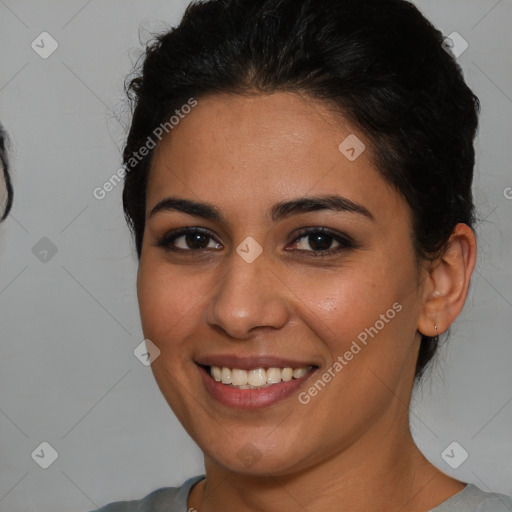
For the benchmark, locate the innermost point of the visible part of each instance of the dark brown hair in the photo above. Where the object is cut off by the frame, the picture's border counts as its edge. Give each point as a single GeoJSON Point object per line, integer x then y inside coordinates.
{"type": "Point", "coordinates": [381, 62]}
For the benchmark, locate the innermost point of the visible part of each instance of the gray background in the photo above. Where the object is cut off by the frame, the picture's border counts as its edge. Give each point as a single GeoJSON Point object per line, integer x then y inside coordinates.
{"type": "Point", "coordinates": [69, 324]}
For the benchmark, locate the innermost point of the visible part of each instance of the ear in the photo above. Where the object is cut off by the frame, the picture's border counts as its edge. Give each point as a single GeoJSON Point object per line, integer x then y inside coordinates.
{"type": "Point", "coordinates": [446, 285]}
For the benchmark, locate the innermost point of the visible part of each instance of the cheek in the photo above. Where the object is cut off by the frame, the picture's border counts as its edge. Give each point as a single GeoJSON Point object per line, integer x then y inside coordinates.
{"type": "Point", "coordinates": [170, 309]}
{"type": "Point", "coordinates": [370, 304]}
{"type": "Point", "coordinates": [342, 303]}
{"type": "Point", "coordinates": [367, 328]}
{"type": "Point", "coordinates": [170, 302]}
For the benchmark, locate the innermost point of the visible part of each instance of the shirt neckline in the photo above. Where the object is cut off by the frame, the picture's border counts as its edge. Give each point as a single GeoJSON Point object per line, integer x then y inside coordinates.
{"type": "Point", "coordinates": [184, 492]}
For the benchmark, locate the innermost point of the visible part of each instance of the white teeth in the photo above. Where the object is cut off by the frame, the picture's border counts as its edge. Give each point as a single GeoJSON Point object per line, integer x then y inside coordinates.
{"type": "Point", "coordinates": [258, 377]}
{"type": "Point", "coordinates": [287, 374]}
{"type": "Point", "coordinates": [274, 375]}
{"type": "Point", "coordinates": [215, 371]}
{"type": "Point", "coordinates": [299, 372]}
{"type": "Point", "coordinates": [239, 377]}
{"type": "Point", "coordinates": [225, 375]}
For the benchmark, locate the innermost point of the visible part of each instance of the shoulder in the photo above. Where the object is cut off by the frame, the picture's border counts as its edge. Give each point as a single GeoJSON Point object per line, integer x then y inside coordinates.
{"type": "Point", "coordinates": [165, 499]}
{"type": "Point", "coordinates": [474, 499]}
{"type": "Point", "coordinates": [492, 502]}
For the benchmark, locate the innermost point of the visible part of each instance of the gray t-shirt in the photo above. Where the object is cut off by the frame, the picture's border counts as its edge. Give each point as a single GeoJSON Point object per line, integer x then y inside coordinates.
{"type": "Point", "coordinates": [174, 499]}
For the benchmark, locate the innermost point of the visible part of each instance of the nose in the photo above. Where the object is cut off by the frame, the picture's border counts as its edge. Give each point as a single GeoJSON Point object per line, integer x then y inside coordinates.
{"type": "Point", "coordinates": [248, 297]}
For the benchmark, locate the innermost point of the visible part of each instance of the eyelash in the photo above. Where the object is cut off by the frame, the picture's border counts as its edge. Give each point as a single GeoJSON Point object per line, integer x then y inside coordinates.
{"type": "Point", "coordinates": [344, 241]}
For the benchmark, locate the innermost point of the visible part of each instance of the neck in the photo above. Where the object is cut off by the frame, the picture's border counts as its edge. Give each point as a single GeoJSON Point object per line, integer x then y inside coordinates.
{"type": "Point", "coordinates": [384, 470]}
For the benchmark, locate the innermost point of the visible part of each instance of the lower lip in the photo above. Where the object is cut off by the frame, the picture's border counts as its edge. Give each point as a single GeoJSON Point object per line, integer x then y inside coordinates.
{"type": "Point", "coordinates": [251, 398]}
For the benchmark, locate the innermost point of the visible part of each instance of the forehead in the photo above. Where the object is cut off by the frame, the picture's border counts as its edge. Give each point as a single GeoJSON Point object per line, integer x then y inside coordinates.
{"type": "Point", "coordinates": [239, 124]}
{"type": "Point", "coordinates": [262, 149]}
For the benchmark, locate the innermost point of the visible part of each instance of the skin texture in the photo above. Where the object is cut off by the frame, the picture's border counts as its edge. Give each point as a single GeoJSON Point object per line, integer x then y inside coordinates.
{"type": "Point", "coordinates": [350, 447]}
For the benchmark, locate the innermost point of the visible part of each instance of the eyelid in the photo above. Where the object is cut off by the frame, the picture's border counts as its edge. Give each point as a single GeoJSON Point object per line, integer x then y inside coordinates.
{"type": "Point", "coordinates": [345, 241]}
{"type": "Point", "coordinates": [321, 229]}
{"type": "Point", "coordinates": [165, 240]}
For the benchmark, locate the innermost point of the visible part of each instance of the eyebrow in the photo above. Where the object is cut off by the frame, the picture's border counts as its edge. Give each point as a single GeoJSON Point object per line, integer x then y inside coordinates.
{"type": "Point", "coordinates": [279, 211]}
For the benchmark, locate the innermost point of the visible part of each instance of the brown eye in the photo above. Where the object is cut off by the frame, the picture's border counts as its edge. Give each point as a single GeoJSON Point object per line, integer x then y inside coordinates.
{"type": "Point", "coordinates": [189, 239]}
{"type": "Point", "coordinates": [322, 241]}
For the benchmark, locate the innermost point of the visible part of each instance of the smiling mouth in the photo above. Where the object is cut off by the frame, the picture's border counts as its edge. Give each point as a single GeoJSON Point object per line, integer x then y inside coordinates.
{"type": "Point", "coordinates": [257, 378]}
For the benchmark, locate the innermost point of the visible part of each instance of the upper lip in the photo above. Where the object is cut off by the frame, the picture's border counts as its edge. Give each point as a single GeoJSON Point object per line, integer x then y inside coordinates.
{"type": "Point", "coordinates": [250, 362]}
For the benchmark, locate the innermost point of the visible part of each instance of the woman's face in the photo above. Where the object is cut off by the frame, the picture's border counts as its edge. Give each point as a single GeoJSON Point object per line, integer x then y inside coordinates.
{"type": "Point", "coordinates": [260, 287]}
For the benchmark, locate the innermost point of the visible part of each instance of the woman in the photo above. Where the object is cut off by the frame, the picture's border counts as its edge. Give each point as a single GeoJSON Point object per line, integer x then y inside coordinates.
{"type": "Point", "coordinates": [298, 181]}
{"type": "Point", "coordinates": [6, 192]}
